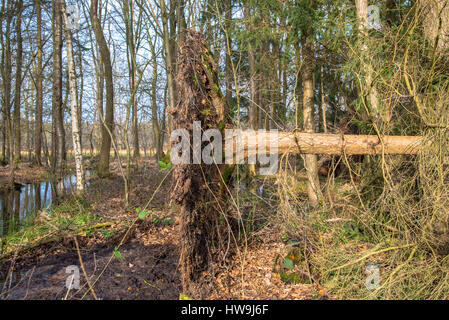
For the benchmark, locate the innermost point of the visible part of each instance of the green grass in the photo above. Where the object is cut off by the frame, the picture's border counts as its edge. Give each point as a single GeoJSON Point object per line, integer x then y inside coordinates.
{"type": "Point", "coordinates": [70, 217]}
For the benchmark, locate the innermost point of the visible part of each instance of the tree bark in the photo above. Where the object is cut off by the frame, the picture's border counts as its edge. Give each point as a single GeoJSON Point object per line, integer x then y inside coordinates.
{"type": "Point", "coordinates": [198, 184]}
{"type": "Point", "coordinates": [128, 15]}
{"type": "Point", "coordinates": [436, 22]}
{"type": "Point", "coordinates": [81, 91]}
{"type": "Point", "coordinates": [362, 22]}
{"type": "Point", "coordinates": [253, 107]}
{"type": "Point", "coordinates": [310, 161]}
{"type": "Point", "coordinates": [18, 84]}
{"type": "Point", "coordinates": [74, 108]}
{"type": "Point", "coordinates": [275, 85]}
{"type": "Point", "coordinates": [57, 104]}
{"type": "Point", "coordinates": [180, 20]}
{"type": "Point", "coordinates": [39, 95]}
{"type": "Point", "coordinates": [228, 52]}
{"type": "Point", "coordinates": [169, 54]}
{"type": "Point", "coordinates": [108, 121]}
{"type": "Point", "coordinates": [335, 144]}
{"type": "Point", "coordinates": [155, 121]}
{"type": "Point", "coordinates": [3, 158]}
{"type": "Point", "coordinates": [27, 125]}
{"type": "Point", "coordinates": [99, 103]}
{"type": "Point", "coordinates": [323, 101]}
{"type": "Point", "coordinates": [6, 81]}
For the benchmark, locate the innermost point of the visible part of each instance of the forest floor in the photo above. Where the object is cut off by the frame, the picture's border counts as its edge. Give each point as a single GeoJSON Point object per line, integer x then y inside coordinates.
{"type": "Point", "coordinates": [127, 257]}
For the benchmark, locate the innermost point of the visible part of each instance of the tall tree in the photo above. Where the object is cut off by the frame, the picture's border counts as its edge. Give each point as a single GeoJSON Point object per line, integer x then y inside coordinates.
{"type": "Point", "coordinates": [228, 51]}
{"type": "Point", "coordinates": [7, 13]}
{"type": "Point", "coordinates": [157, 133]}
{"type": "Point", "coordinates": [18, 83]}
{"type": "Point", "coordinates": [81, 91]}
{"type": "Point", "coordinates": [180, 20]}
{"type": "Point", "coordinates": [108, 121]}
{"type": "Point", "coordinates": [310, 160]}
{"type": "Point", "coordinates": [253, 103]}
{"type": "Point", "coordinates": [169, 58]}
{"type": "Point", "coordinates": [74, 108]}
{"type": "Point", "coordinates": [57, 103]}
{"type": "Point", "coordinates": [436, 22]}
{"type": "Point", "coordinates": [362, 23]}
{"type": "Point", "coordinates": [39, 94]}
{"type": "Point", "coordinates": [131, 43]}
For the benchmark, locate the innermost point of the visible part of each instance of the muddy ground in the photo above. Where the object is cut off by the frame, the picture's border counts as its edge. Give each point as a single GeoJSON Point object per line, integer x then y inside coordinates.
{"type": "Point", "coordinates": [144, 272]}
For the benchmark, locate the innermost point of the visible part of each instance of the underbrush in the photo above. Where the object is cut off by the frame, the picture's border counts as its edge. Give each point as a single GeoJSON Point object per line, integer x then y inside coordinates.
{"type": "Point", "coordinates": [382, 230]}
{"type": "Point", "coordinates": [370, 240]}
{"type": "Point", "coordinates": [256, 201]}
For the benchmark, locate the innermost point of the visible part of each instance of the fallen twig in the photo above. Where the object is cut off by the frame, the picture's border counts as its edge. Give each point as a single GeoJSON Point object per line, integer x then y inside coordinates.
{"type": "Point", "coordinates": [84, 270]}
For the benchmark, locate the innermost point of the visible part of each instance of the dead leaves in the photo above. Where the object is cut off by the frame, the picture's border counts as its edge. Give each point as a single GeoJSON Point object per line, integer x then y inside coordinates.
{"type": "Point", "coordinates": [253, 277]}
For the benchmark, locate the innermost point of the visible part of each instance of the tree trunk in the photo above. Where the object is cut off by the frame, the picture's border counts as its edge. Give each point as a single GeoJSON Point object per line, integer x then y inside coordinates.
{"type": "Point", "coordinates": [128, 16]}
{"type": "Point", "coordinates": [3, 158]}
{"type": "Point", "coordinates": [169, 54]}
{"type": "Point", "coordinates": [180, 20]}
{"type": "Point", "coordinates": [81, 91]}
{"type": "Point", "coordinates": [198, 184]}
{"type": "Point", "coordinates": [18, 84]}
{"type": "Point", "coordinates": [57, 104]}
{"type": "Point", "coordinates": [74, 108]}
{"type": "Point", "coordinates": [99, 103]}
{"type": "Point", "coordinates": [6, 81]}
{"type": "Point", "coordinates": [39, 95]}
{"type": "Point", "coordinates": [253, 107]}
{"type": "Point", "coordinates": [335, 144]}
{"type": "Point", "coordinates": [362, 22]}
{"type": "Point", "coordinates": [155, 120]}
{"type": "Point", "coordinates": [27, 125]}
{"type": "Point", "coordinates": [108, 121]}
{"type": "Point", "coordinates": [275, 85]}
{"type": "Point", "coordinates": [228, 52]}
{"type": "Point", "coordinates": [310, 161]}
{"type": "Point", "coordinates": [436, 22]}
{"type": "Point", "coordinates": [323, 101]}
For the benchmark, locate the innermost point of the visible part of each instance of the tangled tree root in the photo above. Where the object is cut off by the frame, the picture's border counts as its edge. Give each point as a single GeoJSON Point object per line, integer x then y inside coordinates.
{"type": "Point", "coordinates": [198, 188]}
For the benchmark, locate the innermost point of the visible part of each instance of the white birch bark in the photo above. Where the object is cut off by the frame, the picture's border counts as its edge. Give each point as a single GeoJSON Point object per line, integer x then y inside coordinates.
{"type": "Point", "coordinates": [79, 170]}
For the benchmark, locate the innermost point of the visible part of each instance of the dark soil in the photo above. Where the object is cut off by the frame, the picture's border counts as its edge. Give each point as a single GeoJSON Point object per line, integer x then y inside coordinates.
{"type": "Point", "coordinates": [143, 272]}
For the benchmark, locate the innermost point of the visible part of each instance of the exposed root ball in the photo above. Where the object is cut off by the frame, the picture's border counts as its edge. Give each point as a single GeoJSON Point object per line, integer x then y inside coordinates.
{"type": "Point", "coordinates": [197, 188]}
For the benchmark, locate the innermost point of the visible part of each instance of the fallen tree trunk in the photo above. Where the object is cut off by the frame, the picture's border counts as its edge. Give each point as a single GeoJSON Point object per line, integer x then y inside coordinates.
{"type": "Point", "coordinates": [331, 144]}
